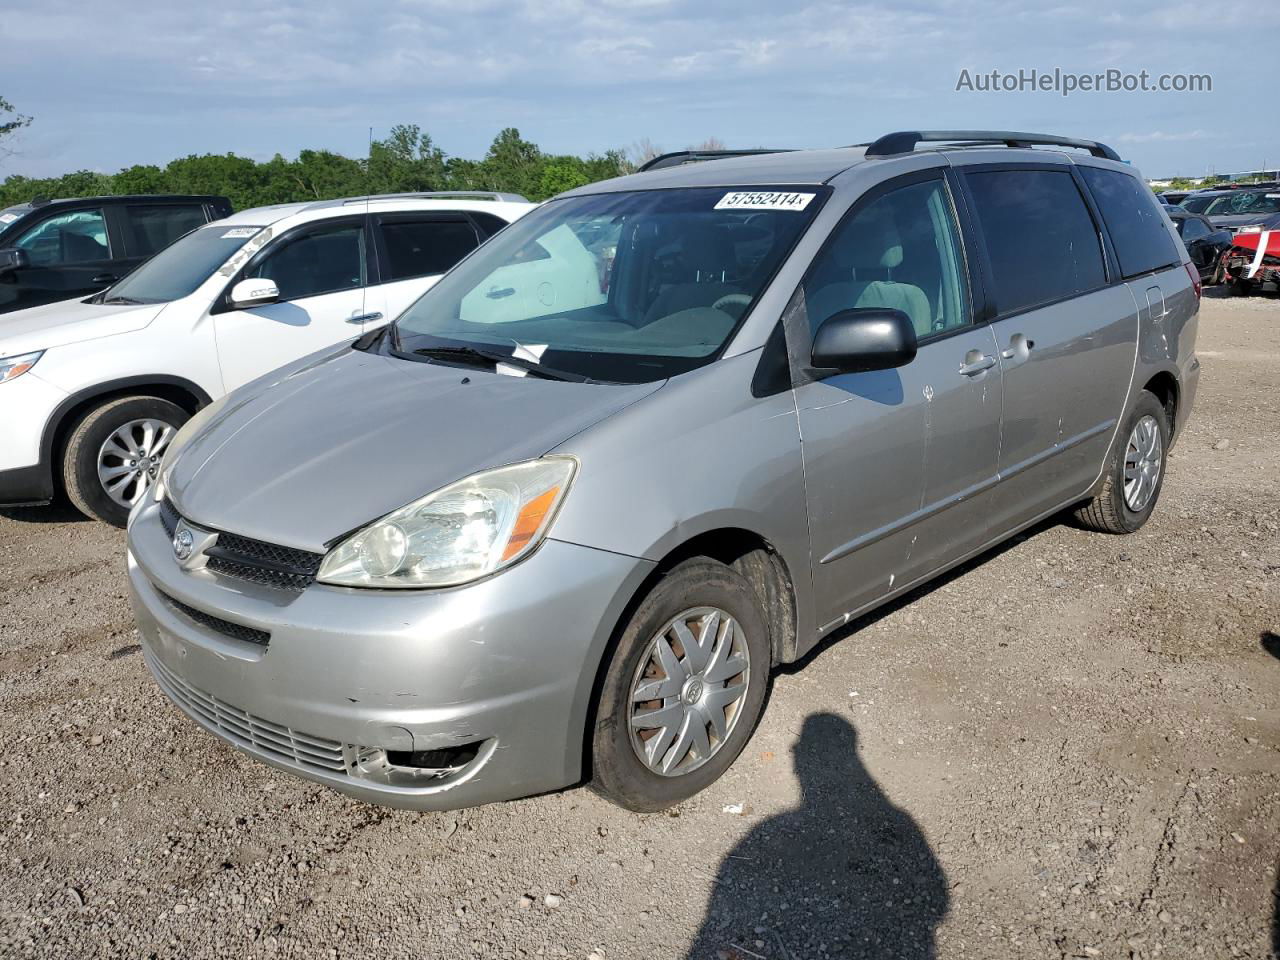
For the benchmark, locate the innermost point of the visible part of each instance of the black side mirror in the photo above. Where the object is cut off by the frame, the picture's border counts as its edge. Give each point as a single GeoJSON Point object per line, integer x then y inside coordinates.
{"type": "Point", "coordinates": [13, 258]}
{"type": "Point", "coordinates": [866, 338]}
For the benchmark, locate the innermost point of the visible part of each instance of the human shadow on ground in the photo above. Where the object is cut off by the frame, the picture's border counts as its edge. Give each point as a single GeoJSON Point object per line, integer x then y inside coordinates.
{"type": "Point", "coordinates": [844, 874]}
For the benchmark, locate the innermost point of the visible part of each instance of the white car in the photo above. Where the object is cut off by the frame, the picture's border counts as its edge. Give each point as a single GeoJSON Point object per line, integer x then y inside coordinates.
{"type": "Point", "coordinates": [92, 391]}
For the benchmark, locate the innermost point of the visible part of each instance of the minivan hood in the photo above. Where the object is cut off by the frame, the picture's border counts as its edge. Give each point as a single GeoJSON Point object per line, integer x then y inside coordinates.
{"type": "Point", "coordinates": [70, 321]}
{"type": "Point", "coordinates": [336, 443]}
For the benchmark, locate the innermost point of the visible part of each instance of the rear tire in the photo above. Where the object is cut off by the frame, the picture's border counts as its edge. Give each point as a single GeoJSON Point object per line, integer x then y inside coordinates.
{"type": "Point", "coordinates": [1119, 506]}
{"type": "Point", "coordinates": [134, 455]}
{"type": "Point", "coordinates": [700, 682]}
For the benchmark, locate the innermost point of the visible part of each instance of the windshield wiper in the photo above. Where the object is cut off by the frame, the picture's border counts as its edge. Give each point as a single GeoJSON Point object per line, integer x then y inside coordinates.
{"type": "Point", "coordinates": [121, 300]}
{"type": "Point", "coordinates": [484, 356]}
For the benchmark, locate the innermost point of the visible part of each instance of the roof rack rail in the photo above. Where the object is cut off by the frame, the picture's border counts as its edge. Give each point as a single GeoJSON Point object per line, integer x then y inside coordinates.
{"type": "Point", "coordinates": [697, 156]}
{"type": "Point", "coordinates": [443, 195]}
{"type": "Point", "coordinates": [905, 141]}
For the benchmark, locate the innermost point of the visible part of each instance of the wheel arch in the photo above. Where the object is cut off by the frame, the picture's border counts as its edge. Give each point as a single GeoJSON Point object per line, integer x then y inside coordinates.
{"type": "Point", "coordinates": [185, 393]}
{"type": "Point", "coordinates": [1163, 385]}
{"type": "Point", "coordinates": [749, 553]}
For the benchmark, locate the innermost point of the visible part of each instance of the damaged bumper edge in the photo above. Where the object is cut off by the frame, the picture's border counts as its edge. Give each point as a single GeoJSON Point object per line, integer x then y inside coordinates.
{"type": "Point", "coordinates": [417, 699]}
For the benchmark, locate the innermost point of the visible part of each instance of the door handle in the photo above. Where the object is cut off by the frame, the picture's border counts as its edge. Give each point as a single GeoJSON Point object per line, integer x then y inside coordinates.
{"type": "Point", "coordinates": [499, 294]}
{"type": "Point", "coordinates": [1017, 342]}
{"type": "Point", "coordinates": [365, 318]}
{"type": "Point", "coordinates": [104, 278]}
{"type": "Point", "coordinates": [972, 368]}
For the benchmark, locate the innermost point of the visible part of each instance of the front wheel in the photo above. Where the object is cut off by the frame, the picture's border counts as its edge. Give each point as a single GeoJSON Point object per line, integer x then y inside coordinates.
{"type": "Point", "coordinates": [113, 454]}
{"type": "Point", "coordinates": [1135, 473]}
{"type": "Point", "coordinates": [683, 690]}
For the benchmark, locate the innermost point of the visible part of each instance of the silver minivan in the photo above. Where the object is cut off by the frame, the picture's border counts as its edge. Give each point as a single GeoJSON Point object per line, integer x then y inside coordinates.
{"type": "Point", "coordinates": [560, 521]}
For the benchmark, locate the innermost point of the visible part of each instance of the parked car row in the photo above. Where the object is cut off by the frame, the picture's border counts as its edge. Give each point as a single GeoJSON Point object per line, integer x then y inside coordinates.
{"type": "Point", "coordinates": [94, 390]}
{"type": "Point", "coordinates": [1240, 221]}
{"type": "Point", "coordinates": [557, 521]}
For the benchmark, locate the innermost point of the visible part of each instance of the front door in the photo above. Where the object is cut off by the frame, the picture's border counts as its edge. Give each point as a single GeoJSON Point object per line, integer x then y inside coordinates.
{"type": "Point", "coordinates": [69, 255]}
{"type": "Point", "coordinates": [899, 464]}
{"type": "Point", "coordinates": [321, 273]}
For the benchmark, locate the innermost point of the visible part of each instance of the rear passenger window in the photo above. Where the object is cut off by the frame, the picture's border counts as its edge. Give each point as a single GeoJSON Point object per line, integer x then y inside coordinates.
{"type": "Point", "coordinates": [1041, 241]}
{"type": "Point", "coordinates": [154, 226]}
{"type": "Point", "coordinates": [1134, 220]}
{"type": "Point", "coordinates": [488, 223]}
{"type": "Point", "coordinates": [419, 248]}
{"type": "Point", "coordinates": [900, 251]}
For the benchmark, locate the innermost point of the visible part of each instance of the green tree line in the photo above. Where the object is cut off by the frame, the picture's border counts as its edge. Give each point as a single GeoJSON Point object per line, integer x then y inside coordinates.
{"type": "Point", "coordinates": [407, 160]}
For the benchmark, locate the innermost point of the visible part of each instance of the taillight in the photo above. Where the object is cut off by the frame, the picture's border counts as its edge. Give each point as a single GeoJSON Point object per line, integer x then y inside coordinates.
{"type": "Point", "coordinates": [1194, 274]}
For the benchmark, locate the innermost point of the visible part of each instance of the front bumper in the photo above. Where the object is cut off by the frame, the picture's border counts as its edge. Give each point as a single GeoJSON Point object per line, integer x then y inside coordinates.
{"type": "Point", "coordinates": [506, 665]}
{"type": "Point", "coordinates": [26, 406]}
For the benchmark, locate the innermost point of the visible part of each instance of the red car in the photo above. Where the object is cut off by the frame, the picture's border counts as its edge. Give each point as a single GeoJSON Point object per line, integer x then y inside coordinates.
{"type": "Point", "coordinates": [1254, 259]}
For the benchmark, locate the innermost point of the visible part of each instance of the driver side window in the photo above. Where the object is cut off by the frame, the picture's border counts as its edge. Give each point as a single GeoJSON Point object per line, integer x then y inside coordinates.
{"type": "Point", "coordinates": [76, 237]}
{"type": "Point", "coordinates": [320, 261]}
{"type": "Point", "coordinates": [900, 251]}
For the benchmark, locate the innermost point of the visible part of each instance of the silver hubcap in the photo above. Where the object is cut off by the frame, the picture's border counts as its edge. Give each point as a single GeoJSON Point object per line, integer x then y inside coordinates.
{"type": "Point", "coordinates": [1142, 459]}
{"type": "Point", "coordinates": [130, 459]}
{"type": "Point", "coordinates": [686, 696]}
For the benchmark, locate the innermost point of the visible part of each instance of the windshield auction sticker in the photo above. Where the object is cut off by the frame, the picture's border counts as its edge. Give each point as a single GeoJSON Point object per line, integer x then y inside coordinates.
{"type": "Point", "coordinates": [764, 200]}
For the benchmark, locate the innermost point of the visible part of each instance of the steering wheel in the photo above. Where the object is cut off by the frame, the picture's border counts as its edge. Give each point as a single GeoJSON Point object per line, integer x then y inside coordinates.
{"type": "Point", "coordinates": [732, 299]}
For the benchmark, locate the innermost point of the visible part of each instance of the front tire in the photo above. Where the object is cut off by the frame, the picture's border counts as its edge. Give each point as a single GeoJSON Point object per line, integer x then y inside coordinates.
{"type": "Point", "coordinates": [113, 455]}
{"type": "Point", "coordinates": [683, 690]}
{"type": "Point", "coordinates": [1134, 473]}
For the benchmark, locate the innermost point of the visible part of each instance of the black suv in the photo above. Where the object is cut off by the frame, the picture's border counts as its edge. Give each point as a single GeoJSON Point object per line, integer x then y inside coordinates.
{"type": "Point", "coordinates": [58, 249]}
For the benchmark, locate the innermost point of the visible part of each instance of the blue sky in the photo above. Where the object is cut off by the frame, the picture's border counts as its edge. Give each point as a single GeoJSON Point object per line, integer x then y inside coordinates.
{"type": "Point", "coordinates": [139, 81]}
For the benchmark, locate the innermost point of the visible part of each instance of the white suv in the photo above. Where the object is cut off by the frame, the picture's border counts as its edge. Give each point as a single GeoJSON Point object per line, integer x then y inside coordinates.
{"type": "Point", "coordinates": [92, 391]}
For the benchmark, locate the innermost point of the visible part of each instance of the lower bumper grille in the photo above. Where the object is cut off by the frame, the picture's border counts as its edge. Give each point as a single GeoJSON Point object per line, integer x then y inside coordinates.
{"type": "Point", "coordinates": [236, 631]}
{"type": "Point", "coordinates": [246, 730]}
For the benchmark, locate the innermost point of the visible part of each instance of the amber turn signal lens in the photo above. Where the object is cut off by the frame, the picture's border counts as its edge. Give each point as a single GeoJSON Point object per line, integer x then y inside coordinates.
{"type": "Point", "coordinates": [527, 525]}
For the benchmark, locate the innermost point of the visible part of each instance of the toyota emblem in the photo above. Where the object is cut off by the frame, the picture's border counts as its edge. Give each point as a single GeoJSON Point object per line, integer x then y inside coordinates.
{"type": "Point", "coordinates": [182, 543]}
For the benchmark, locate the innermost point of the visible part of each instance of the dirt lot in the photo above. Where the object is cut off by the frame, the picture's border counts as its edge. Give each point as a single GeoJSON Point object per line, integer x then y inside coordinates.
{"type": "Point", "coordinates": [1069, 749]}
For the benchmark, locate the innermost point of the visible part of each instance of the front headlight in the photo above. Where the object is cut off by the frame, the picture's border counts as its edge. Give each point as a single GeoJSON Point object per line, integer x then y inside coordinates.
{"type": "Point", "coordinates": [460, 533]}
{"type": "Point", "coordinates": [1250, 229]}
{"type": "Point", "coordinates": [11, 368]}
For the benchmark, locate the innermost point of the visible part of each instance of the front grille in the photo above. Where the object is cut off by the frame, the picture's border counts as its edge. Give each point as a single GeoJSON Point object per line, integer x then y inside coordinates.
{"type": "Point", "coordinates": [272, 565]}
{"type": "Point", "coordinates": [236, 631]}
{"type": "Point", "coordinates": [246, 730]}
{"type": "Point", "coordinates": [169, 516]}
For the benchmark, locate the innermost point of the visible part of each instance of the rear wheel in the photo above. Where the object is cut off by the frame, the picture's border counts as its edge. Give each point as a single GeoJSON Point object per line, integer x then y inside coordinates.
{"type": "Point", "coordinates": [683, 690]}
{"type": "Point", "coordinates": [113, 454]}
{"type": "Point", "coordinates": [1135, 473]}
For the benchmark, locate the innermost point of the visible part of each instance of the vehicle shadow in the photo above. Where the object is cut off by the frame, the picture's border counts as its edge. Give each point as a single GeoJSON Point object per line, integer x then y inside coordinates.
{"type": "Point", "coordinates": [52, 513]}
{"type": "Point", "coordinates": [846, 873]}
{"type": "Point", "coordinates": [1271, 643]}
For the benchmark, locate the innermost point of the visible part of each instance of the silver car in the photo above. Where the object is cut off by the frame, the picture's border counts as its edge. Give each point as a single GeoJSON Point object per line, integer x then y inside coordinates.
{"type": "Point", "coordinates": [560, 521]}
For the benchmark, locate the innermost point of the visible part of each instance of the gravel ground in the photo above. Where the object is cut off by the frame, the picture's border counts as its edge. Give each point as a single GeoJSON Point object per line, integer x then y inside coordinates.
{"type": "Point", "coordinates": [1070, 748]}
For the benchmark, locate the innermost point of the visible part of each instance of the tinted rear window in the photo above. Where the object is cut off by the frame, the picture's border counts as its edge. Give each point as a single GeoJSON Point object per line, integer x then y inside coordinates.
{"type": "Point", "coordinates": [152, 227]}
{"type": "Point", "coordinates": [1134, 220]}
{"type": "Point", "coordinates": [1041, 242]}
{"type": "Point", "coordinates": [420, 248]}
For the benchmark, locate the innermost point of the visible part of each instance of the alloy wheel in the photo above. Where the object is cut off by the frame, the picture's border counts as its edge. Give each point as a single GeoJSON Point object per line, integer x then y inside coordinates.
{"type": "Point", "coordinates": [129, 459]}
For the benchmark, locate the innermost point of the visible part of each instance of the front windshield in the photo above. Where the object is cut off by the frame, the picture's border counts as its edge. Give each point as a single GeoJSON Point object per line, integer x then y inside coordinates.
{"type": "Point", "coordinates": [1243, 202]}
{"type": "Point", "coordinates": [623, 287]}
{"type": "Point", "coordinates": [179, 268]}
